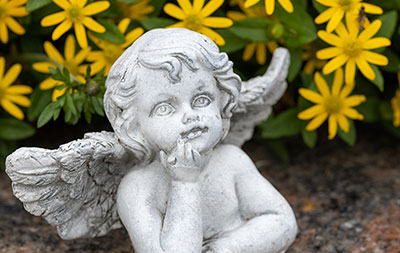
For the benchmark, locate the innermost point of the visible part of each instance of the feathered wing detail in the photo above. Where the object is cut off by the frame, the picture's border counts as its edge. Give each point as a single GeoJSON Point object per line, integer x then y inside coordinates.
{"type": "Point", "coordinates": [73, 187]}
{"type": "Point", "coordinates": [257, 97]}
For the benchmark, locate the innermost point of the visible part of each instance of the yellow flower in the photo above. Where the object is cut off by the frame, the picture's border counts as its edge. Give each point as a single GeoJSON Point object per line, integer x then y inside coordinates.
{"type": "Point", "coordinates": [9, 9]}
{"type": "Point", "coordinates": [13, 94]}
{"type": "Point", "coordinates": [260, 48]}
{"type": "Point", "coordinates": [312, 62]}
{"type": "Point", "coordinates": [396, 106]}
{"type": "Point", "coordinates": [334, 103]}
{"type": "Point", "coordinates": [351, 48]}
{"type": "Point", "coordinates": [75, 13]}
{"type": "Point", "coordinates": [196, 17]}
{"type": "Point", "coordinates": [110, 52]}
{"type": "Point", "coordinates": [338, 9]}
{"type": "Point", "coordinates": [138, 10]}
{"type": "Point", "coordinates": [270, 5]}
{"type": "Point", "coordinates": [71, 62]}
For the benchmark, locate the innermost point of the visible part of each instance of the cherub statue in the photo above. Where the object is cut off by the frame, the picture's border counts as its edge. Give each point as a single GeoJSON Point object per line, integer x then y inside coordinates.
{"type": "Point", "coordinates": [172, 171]}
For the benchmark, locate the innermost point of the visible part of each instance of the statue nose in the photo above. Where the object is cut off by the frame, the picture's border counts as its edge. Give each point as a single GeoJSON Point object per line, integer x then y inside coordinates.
{"type": "Point", "coordinates": [190, 118]}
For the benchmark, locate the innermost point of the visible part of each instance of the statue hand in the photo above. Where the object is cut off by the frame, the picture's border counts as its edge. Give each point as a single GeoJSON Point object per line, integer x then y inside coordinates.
{"type": "Point", "coordinates": [183, 163]}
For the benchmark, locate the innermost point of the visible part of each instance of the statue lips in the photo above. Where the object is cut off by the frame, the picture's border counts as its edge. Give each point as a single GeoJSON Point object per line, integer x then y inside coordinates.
{"type": "Point", "coordinates": [193, 133]}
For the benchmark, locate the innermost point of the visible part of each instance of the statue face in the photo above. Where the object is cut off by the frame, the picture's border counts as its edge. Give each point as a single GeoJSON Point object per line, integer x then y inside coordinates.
{"type": "Point", "coordinates": [189, 110]}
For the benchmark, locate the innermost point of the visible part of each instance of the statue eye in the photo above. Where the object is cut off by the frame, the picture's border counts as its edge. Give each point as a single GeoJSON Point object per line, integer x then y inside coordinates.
{"type": "Point", "coordinates": [201, 101]}
{"type": "Point", "coordinates": [163, 109]}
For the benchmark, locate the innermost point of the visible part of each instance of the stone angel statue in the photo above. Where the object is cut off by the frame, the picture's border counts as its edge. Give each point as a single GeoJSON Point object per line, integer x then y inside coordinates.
{"type": "Point", "coordinates": [172, 172]}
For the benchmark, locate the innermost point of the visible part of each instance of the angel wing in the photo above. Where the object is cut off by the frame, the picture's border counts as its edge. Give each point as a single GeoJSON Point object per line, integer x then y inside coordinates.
{"type": "Point", "coordinates": [257, 97]}
{"type": "Point", "coordinates": [73, 187]}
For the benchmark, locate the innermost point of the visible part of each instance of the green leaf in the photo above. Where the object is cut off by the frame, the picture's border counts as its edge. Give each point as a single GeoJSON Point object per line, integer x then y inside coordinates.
{"type": "Point", "coordinates": [33, 5]}
{"type": "Point", "coordinates": [370, 109]}
{"type": "Point", "coordinates": [253, 29]}
{"type": "Point", "coordinates": [389, 22]}
{"type": "Point", "coordinates": [295, 63]}
{"type": "Point", "coordinates": [98, 105]}
{"type": "Point", "coordinates": [394, 61]}
{"type": "Point", "coordinates": [40, 99]}
{"type": "Point", "coordinates": [349, 137]}
{"type": "Point", "coordinates": [309, 137]}
{"type": "Point", "coordinates": [378, 81]}
{"type": "Point", "coordinates": [112, 33]}
{"type": "Point", "coordinates": [152, 23]}
{"type": "Point", "coordinates": [319, 7]}
{"type": "Point", "coordinates": [233, 42]}
{"type": "Point", "coordinates": [279, 149]}
{"type": "Point", "coordinates": [114, 11]}
{"type": "Point", "coordinates": [386, 111]}
{"type": "Point", "coordinates": [13, 129]}
{"type": "Point", "coordinates": [128, 1]}
{"type": "Point", "coordinates": [69, 105]}
{"type": "Point", "coordinates": [47, 114]}
{"type": "Point", "coordinates": [299, 24]}
{"type": "Point", "coordinates": [285, 124]}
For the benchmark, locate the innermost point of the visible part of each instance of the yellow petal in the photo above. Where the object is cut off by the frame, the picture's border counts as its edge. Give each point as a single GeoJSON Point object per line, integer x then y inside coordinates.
{"type": "Point", "coordinates": [210, 7]}
{"type": "Point", "coordinates": [365, 68]}
{"type": "Point", "coordinates": [287, 5]}
{"type": "Point", "coordinates": [14, 26]}
{"type": "Point", "coordinates": [81, 3]}
{"type": "Point", "coordinates": [352, 25]}
{"type": "Point", "coordinates": [81, 35]}
{"type": "Point", "coordinates": [69, 48]}
{"type": "Point", "coordinates": [328, 53]}
{"type": "Point", "coordinates": [347, 89]}
{"type": "Point", "coordinates": [132, 36]}
{"type": "Point", "coordinates": [235, 15]}
{"type": "Point", "coordinates": [20, 100]}
{"type": "Point", "coordinates": [12, 109]}
{"type": "Point", "coordinates": [375, 58]}
{"type": "Point", "coordinates": [61, 29]}
{"type": "Point", "coordinates": [53, 19]}
{"type": "Point", "coordinates": [335, 20]}
{"type": "Point", "coordinates": [81, 55]}
{"type": "Point", "coordinates": [17, 12]}
{"type": "Point", "coordinates": [49, 83]}
{"type": "Point", "coordinates": [372, 9]}
{"type": "Point", "coordinates": [43, 67]}
{"type": "Point", "coordinates": [332, 127]}
{"type": "Point", "coordinates": [261, 53]}
{"type": "Point", "coordinates": [325, 16]}
{"type": "Point", "coordinates": [311, 112]}
{"type": "Point", "coordinates": [97, 66]}
{"type": "Point", "coordinates": [354, 100]}
{"type": "Point", "coordinates": [96, 7]}
{"type": "Point", "coordinates": [248, 51]}
{"type": "Point", "coordinates": [250, 3]}
{"type": "Point", "coordinates": [337, 82]}
{"type": "Point", "coordinates": [19, 89]}
{"type": "Point", "coordinates": [311, 95]}
{"type": "Point", "coordinates": [217, 22]}
{"type": "Point", "coordinates": [309, 67]}
{"type": "Point", "coordinates": [370, 30]}
{"type": "Point", "coordinates": [93, 25]}
{"type": "Point", "coordinates": [2, 67]}
{"type": "Point", "coordinates": [317, 121]}
{"type": "Point", "coordinates": [321, 85]}
{"type": "Point", "coordinates": [53, 53]}
{"type": "Point", "coordinates": [64, 4]}
{"type": "Point", "coordinates": [3, 32]}
{"type": "Point", "coordinates": [342, 32]}
{"type": "Point", "coordinates": [269, 6]}
{"type": "Point", "coordinates": [177, 25]}
{"type": "Point", "coordinates": [15, 3]}
{"type": "Point", "coordinates": [330, 38]}
{"type": "Point", "coordinates": [376, 43]}
{"type": "Point", "coordinates": [123, 25]}
{"type": "Point", "coordinates": [11, 75]}
{"type": "Point", "coordinates": [57, 93]}
{"type": "Point", "coordinates": [352, 113]}
{"type": "Point", "coordinates": [197, 5]}
{"type": "Point", "coordinates": [329, 3]}
{"type": "Point", "coordinates": [219, 40]}
{"type": "Point", "coordinates": [350, 71]}
{"type": "Point", "coordinates": [185, 5]}
{"type": "Point", "coordinates": [335, 63]}
{"type": "Point", "coordinates": [343, 123]}
{"type": "Point", "coordinates": [174, 11]}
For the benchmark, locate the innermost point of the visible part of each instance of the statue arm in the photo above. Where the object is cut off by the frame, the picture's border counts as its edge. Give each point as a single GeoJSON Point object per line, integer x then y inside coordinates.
{"type": "Point", "coordinates": [177, 230]}
{"type": "Point", "coordinates": [269, 223]}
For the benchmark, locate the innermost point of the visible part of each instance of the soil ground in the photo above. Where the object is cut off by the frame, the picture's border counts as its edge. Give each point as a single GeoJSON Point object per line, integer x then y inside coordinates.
{"type": "Point", "coordinates": [346, 199]}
